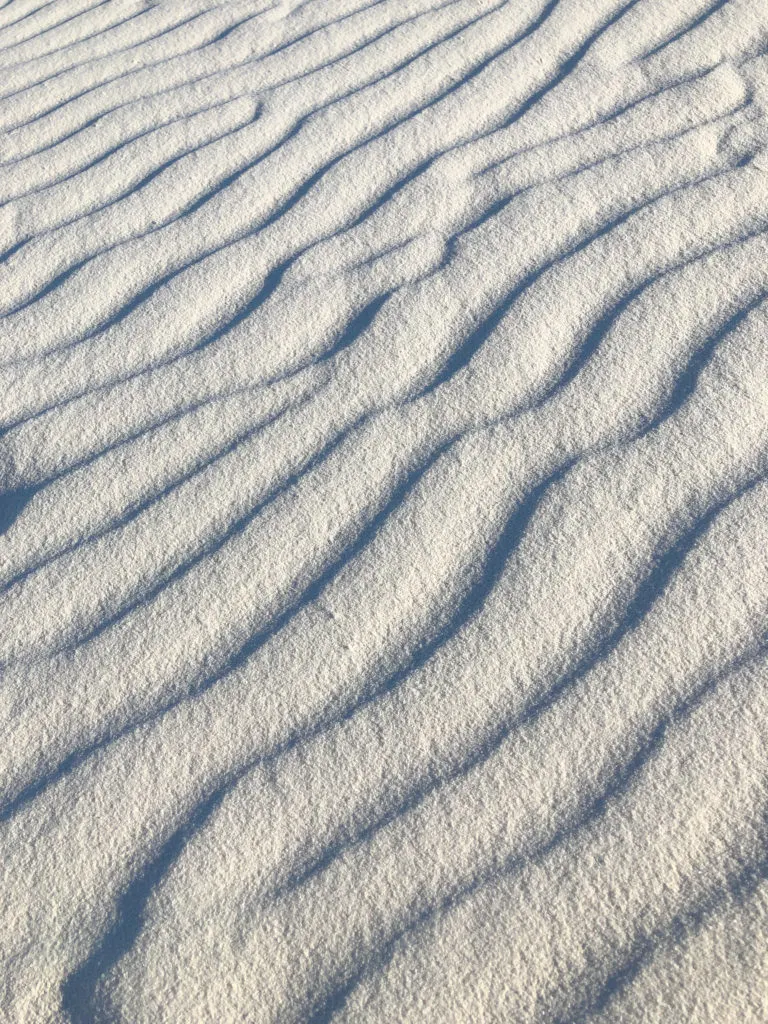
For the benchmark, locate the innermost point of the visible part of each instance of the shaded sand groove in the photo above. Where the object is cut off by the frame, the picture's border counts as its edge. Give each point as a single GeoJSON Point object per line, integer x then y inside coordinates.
{"type": "Point", "coordinates": [384, 510]}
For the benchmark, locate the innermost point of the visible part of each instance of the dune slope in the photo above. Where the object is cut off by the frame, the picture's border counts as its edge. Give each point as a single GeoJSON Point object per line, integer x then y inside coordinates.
{"type": "Point", "coordinates": [384, 511]}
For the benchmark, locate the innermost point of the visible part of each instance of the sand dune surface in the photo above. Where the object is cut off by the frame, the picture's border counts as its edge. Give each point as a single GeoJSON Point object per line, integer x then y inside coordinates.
{"type": "Point", "coordinates": [384, 511]}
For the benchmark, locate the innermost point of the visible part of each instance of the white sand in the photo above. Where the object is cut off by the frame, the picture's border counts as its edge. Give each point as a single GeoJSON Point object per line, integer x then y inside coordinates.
{"type": "Point", "coordinates": [384, 512]}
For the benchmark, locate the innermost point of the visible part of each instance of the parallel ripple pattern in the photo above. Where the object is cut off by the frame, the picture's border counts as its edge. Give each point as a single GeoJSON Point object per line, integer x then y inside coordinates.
{"type": "Point", "coordinates": [383, 511]}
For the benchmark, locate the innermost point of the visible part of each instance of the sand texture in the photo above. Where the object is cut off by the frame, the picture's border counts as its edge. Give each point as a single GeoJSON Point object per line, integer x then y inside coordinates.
{"type": "Point", "coordinates": [384, 511]}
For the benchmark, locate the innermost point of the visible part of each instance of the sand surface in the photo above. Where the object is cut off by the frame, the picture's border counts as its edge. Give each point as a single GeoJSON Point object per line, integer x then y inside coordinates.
{"type": "Point", "coordinates": [383, 511]}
